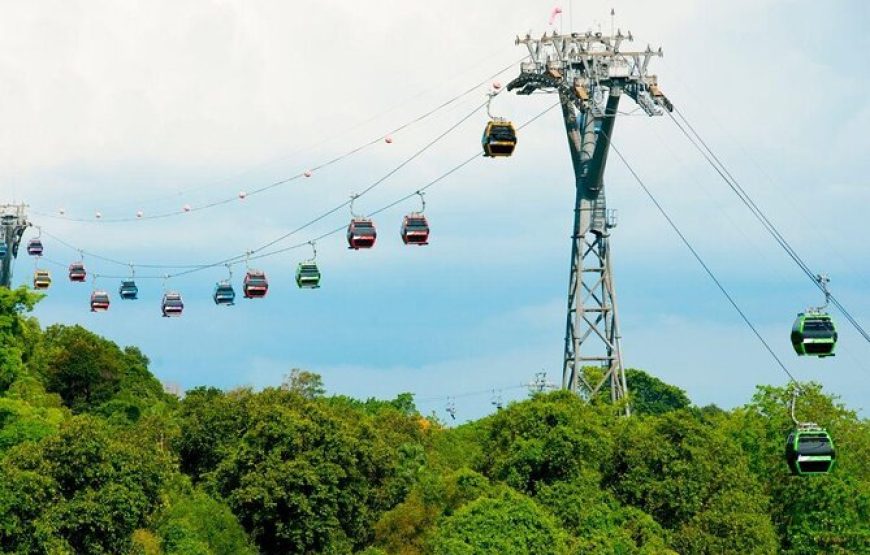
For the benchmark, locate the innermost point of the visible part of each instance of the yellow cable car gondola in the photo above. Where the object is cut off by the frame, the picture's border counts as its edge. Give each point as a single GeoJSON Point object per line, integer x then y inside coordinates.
{"type": "Point", "coordinates": [41, 280]}
{"type": "Point", "coordinates": [499, 138]}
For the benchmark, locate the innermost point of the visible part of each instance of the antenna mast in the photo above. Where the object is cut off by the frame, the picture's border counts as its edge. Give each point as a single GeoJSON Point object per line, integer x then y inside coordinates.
{"type": "Point", "coordinates": [590, 72]}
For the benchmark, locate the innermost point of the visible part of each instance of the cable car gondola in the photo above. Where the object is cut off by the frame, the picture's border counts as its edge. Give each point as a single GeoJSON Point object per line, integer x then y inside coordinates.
{"type": "Point", "coordinates": [255, 285]}
{"type": "Point", "coordinates": [361, 233]}
{"type": "Point", "coordinates": [77, 272]}
{"type": "Point", "coordinates": [415, 229]}
{"type": "Point", "coordinates": [99, 301]}
{"type": "Point", "coordinates": [415, 226]}
{"type": "Point", "coordinates": [224, 294]}
{"type": "Point", "coordinates": [809, 450]}
{"type": "Point", "coordinates": [499, 139]}
{"type": "Point", "coordinates": [308, 275]}
{"type": "Point", "coordinates": [41, 280]}
{"type": "Point", "coordinates": [34, 247]}
{"type": "Point", "coordinates": [172, 304]}
{"type": "Point", "coordinates": [128, 291]}
{"type": "Point", "coordinates": [814, 334]}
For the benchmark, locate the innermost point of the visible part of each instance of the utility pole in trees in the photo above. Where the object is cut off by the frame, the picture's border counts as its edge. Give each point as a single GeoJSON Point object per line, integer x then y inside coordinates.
{"type": "Point", "coordinates": [13, 222]}
{"type": "Point", "coordinates": [590, 73]}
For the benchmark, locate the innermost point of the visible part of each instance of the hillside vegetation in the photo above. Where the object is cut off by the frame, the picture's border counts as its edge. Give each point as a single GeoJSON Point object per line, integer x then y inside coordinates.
{"type": "Point", "coordinates": [96, 458]}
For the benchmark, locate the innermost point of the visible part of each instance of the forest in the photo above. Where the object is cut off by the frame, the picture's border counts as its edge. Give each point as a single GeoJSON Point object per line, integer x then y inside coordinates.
{"type": "Point", "coordinates": [96, 458]}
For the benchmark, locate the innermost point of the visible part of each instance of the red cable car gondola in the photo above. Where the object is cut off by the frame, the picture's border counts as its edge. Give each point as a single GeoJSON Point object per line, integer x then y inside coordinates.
{"type": "Point", "coordinates": [415, 229]}
{"type": "Point", "coordinates": [99, 301]}
{"type": "Point", "coordinates": [415, 226]}
{"type": "Point", "coordinates": [77, 272]}
{"type": "Point", "coordinates": [361, 233]}
{"type": "Point", "coordinates": [255, 285]}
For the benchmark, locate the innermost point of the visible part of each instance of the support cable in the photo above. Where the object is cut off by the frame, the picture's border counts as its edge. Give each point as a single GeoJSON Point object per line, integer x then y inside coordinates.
{"type": "Point", "coordinates": [326, 214]}
{"type": "Point", "coordinates": [300, 175]}
{"type": "Point", "coordinates": [704, 265]}
{"type": "Point", "coordinates": [715, 162]}
{"type": "Point", "coordinates": [235, 259]}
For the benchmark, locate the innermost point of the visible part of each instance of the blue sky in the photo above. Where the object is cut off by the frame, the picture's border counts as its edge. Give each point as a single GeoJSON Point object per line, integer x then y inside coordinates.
{"type": "Point", "coordinates": [118, 108]}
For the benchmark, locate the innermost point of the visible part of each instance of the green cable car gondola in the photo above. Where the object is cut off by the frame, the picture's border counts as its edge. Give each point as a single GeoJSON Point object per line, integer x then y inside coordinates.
{"type": "Point", "coordinates": [308, 275]}
{"type": "Point", "coordinates": [814, 334]}
{"type": "Point", "coordinates": [809, 450]}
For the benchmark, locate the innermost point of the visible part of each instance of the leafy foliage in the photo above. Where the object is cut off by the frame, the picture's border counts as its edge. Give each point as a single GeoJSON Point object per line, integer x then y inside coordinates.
{"type": "Point", "coordinates": [96, 458]}
{"type": "Point", "coordinates": [505, 522]}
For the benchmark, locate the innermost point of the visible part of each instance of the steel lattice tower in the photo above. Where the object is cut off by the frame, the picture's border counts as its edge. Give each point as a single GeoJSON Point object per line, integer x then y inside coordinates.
{"type": "Point", "coordinates": [13, 223]}
{"type": "Point", "coordinates": [590, 74]}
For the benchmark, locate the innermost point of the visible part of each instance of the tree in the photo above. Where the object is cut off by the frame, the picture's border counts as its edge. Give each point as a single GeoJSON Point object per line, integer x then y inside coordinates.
{"type": "Point", "coordinates": [820, 514]}
{"type": "Point", "coordinates": [211, 423]}
{"type": "Point", "coordinates": [193, 522]}
{"type": "Point", "coordinates": [506, 522]}
{"type": "Point", "coordinates": [16, 332]}
{"type": "Point", "coordinates": [549, 438]}
{"type": "Point", "coordinates": [405, 528]}
{"type": "Point", "coordinates": [307, 384]}
{"type": "Point", "coordinates": [85, 489]}
{"type": "Point", "coordinates": [304, 478]}
{"type": "Point", "coordinates": [85, 369]}
{"type": "Point", "coordinates": [598, 521]}
{"type": "Point", "coordinates": [650, 395]}
{"type": "Point", "coordinates": [677, 468]}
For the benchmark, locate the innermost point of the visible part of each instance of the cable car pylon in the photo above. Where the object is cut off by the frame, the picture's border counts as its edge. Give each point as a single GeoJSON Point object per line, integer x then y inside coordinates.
{"type": "Point", "coordinates": [13, 223]}
{"type": "Point", "coordinates": [591, 72]}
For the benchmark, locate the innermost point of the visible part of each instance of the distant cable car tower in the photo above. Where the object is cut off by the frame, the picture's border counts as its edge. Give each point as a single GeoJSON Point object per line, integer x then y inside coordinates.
{"type": "Point", "coordinates": [13, 223]}
{"type": "Point", "coordinates": [590, 73]}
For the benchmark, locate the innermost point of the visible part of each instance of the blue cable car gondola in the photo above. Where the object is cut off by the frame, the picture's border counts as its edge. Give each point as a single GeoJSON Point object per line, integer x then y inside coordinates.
{"type": "Point", "coordinates": [128, 291]}
{"type": "Point", "coordinates": [224, 294]}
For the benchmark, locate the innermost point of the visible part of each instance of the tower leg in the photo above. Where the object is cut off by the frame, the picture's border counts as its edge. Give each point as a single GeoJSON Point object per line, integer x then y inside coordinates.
{"type": "Point", "coordinates": [592, 327]}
